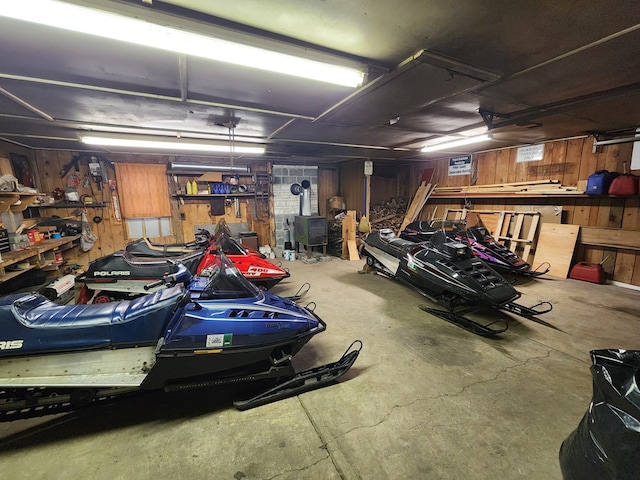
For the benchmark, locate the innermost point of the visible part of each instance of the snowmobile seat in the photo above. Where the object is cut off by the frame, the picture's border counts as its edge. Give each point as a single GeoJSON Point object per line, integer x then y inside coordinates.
{"type": "Point", "coordinates": [146, 248]}
{"type": "Point", "coordinates": [44, 326]}
{"type": "Point", "coordinates": [140, 267]}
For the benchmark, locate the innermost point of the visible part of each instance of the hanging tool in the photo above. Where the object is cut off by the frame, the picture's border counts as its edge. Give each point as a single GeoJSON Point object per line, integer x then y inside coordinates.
{"type": "Point", "coordinates": [115, 204]}
{"type": "Point", "coordinates": [95, 169]}
{"type": "Point", "coordinates": [75, 162]}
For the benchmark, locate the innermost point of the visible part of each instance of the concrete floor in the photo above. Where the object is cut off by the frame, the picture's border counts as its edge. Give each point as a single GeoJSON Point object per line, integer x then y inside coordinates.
{"type": "Point", "coordinates": [425, 400]}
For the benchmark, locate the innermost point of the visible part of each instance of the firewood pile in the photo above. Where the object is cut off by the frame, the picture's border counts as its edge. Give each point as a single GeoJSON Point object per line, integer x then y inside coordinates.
{"type": "Point", "coordinates": [388, 214]}
{"type": "Point", "coordinates": [334, 238]}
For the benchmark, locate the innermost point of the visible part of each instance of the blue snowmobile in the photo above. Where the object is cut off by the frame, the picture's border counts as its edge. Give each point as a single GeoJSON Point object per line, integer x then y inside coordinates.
{"type": "Point", "coordinates": [219, 330]}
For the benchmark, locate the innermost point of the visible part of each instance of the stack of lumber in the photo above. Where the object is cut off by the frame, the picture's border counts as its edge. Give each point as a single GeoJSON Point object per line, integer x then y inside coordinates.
{"type": "Point", "coordinates": [419, 199]}
{"type": "Point", "coordinates": [535, 187]}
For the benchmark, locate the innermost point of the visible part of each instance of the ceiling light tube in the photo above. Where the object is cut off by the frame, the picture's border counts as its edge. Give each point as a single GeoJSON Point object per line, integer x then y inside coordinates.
{"type": "Point", "coordinates": [133, 30]}
{"type": "Point", "coordinates": [209, 168]}
{"type": "Point", "coordinates": [171, 145]}
{"type": "Point", "coordinates": [455, 143]}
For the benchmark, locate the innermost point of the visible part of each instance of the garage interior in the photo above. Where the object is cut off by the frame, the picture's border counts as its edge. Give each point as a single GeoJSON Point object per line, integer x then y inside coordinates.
{"type": "Point", "coordinates": [553, 91]}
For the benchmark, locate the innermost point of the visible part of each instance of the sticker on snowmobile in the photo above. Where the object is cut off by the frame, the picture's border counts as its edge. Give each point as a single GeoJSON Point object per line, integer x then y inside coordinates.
{"type": "Point", "coordinates": [278, 325]}
{"type": "Point", "coordinates": [254, 271]}
{"type": "Point", "coordinates": [11, 344]}
{"type": "Point", "coordinates": [112, 273]}
{"type": "Point", "coordinates": [221, 340]}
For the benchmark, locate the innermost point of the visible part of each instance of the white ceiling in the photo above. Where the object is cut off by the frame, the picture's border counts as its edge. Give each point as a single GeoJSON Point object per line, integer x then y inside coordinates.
{"type": "Point", "coordinates": [538, 70]}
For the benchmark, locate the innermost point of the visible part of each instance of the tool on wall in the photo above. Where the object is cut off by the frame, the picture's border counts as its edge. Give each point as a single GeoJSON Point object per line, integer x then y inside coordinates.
{"type": "Point", "coordinates": [115, 204]}
{"type": "Point", "coordinates": [96, 171]}
{"type": "Point", "coordinates": [94, 158]}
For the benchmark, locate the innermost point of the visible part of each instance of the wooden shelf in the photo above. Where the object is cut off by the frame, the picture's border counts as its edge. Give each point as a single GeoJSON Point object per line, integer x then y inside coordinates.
{"type": "Point", "coordinates": [14, 273]}
{"type": "Point", "coordinates": [34, 255]}
{"type": "Point", "coordinates": [213, 195]}
{"type": "Point", "coordinates": [8, 201]}
{"type": "Point", "coordinates": [461, 195]}
{"type": "Point", "coordinates": [69, 205]}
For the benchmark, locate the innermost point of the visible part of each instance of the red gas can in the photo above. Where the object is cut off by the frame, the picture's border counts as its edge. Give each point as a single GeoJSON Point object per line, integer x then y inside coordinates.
{"type": "Point", "coordinates": [589, 272]}
{"type": "Point", "coordinates": [625, 184]}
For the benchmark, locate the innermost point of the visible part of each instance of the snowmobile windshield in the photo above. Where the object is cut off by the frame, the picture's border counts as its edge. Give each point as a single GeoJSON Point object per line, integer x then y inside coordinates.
{"type": "Point", "coordinates": [226, 281]}
{"type": "Point", "coordinates": [227, 244]}
{"type": "Point", "coordinates": [478, 233]}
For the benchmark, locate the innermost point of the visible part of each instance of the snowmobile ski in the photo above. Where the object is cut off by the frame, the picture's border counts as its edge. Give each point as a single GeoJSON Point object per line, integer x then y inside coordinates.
{"type": "Point", "coordinates": [537, 309]}
{"type": "Point", "coordinates": [306, 380]}
{"type": "Point", "coordinates": [467, 324]}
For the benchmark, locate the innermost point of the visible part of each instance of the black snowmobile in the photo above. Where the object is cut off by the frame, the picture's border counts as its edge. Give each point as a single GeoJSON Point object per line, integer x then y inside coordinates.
{"type": "Point", "coordinates": [482, 244]}
{"type": "Point", "coordinates": [121, 275]}
{"type": "Point", "coordinates": [445, 270]}
{"type": "Point", "coordinates": [56, 358]}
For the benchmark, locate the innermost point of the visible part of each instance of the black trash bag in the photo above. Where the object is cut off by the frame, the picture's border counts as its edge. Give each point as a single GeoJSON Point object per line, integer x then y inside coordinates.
{"type": "Point", "coordinates": [606, 444]}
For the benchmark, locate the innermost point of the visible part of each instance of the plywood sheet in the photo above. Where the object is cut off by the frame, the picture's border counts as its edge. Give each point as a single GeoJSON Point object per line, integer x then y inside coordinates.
{"type": "Point", "coordinates": [555, 245]}
{"type": "Point", "coordinates": [353, 250]}
{"type": "Point", "coordinates": [349, 236]}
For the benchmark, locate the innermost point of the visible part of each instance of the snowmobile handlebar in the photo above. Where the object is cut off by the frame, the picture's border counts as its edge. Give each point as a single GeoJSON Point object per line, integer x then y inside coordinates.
{"type": "Point", "coordinates": [182, 275]}
{"type": "Point", "coordinates": [167, 279]}
{"type": "Point", "coordinates": [151, 285]}
{"type": "Point", "coordinates": [203, 237]}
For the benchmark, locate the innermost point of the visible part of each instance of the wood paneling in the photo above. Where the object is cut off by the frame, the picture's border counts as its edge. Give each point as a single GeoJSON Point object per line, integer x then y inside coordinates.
{"type": "Point", "coordinates": [352, 185]}
{"type": "Point", "coordinates": [143, 189]}
{"type": "Point", "coordinates": [328, 186]}
{"type": "Point", "coordinates": [111, 235]}
{"type": "Point", "coordinates": [570, 161]}
{"type": "Point", "coordinates": [573, 160]}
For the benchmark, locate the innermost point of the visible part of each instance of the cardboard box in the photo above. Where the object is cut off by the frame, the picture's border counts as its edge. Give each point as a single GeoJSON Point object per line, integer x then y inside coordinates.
{"type": "Point", "coordinates": [210, 177]}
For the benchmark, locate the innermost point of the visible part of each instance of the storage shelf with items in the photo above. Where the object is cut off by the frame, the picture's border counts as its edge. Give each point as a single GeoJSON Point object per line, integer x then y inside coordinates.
{"type": "Point", "coordinates": [216, 184]}
{"type": "Point", "coordinates": [41, 255]}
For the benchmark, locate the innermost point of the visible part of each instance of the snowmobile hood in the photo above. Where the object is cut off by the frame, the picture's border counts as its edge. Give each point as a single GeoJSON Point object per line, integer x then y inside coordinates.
{"type": "Point", "coordinates": [227, 305]}
{"type": "Point", "coordinates": [233, 324]}
{"type": "Point", "coordinates": [443, 264]}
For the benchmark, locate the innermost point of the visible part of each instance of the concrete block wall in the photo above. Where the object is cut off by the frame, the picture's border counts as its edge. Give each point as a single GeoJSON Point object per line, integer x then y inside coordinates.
{"type": "Point", "coordinates": [287, 205]}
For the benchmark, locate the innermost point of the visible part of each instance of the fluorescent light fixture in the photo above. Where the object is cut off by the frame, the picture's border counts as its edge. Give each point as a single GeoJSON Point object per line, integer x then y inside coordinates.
{"type": "Point", "coordinates": [456, 143]}
{"type": "Point", "coordinates": [160, 144]}
{"type": "Point", "coordinates": [208, 168]}
{"type": "Point", "coordinates": [133, 30]}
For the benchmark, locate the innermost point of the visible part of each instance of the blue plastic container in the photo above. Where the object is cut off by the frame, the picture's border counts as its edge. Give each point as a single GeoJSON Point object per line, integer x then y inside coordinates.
{"type": "Point", "coordinates": [598, 182]}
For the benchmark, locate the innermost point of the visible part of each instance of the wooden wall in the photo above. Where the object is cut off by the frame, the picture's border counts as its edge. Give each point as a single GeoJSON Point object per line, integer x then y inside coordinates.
{"type": "Point", "coordinates": [112, 235]}
{"type": "Point", "coordinates": [328, 186]}
{"type": "Point", "coordinates": [385, 183]}
{"type": "Point", "coordinates": [571, 162]}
